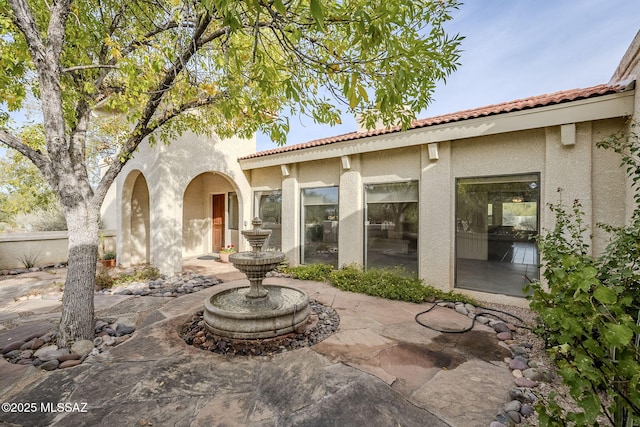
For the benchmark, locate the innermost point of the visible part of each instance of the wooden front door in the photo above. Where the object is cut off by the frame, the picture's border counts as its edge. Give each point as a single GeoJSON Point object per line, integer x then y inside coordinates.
{"type": "Point", "coordinates": [218, 222]}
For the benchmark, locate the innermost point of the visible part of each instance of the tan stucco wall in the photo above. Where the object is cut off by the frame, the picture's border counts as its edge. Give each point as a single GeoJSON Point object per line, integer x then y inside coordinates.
{"type": "Point", "coordinates": [436, 217]}
{"type": "Point", "coordinates": [168, 170]}
{"type": "Point", "coordinates": [140, 222]}
{"type": "Point", "coordinates": [564, 159]}
{"type": "Point", "coordinates": [266, 178]}
{"type": "Point", "coordinates": [391, 165]}
{"type": "Point", "coordinates": [196, 219]}
{"type": "Point", "coordinates": [607, 177]}
{"type": "Point", "coordinates": [320, 173]}
{"type": "Point", "coordinates": [291, 215]}
{"type": "Point", "coordinates": [43, 248]}
{"type": "Point", "coordinates": [351, 232]}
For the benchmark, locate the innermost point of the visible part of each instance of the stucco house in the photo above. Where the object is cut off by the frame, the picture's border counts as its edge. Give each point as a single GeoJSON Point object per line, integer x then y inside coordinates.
{"type": "Point", "coordinates": [454, 199]}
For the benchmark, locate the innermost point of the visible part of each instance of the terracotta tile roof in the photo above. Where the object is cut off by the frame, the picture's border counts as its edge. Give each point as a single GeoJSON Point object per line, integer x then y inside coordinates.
{"type": "Point", "coordinates": [489, 110]}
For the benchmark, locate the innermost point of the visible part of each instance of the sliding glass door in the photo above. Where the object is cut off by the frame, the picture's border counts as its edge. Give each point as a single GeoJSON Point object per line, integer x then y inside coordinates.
{"type": "Point", "coordinates": [269, 210]}
{"type": "Point", "coordinates": [391, 226]}
{"type": "Point", "coordinates": [496, 223]}
{"type": "Point", "coordinates": [320, 226]}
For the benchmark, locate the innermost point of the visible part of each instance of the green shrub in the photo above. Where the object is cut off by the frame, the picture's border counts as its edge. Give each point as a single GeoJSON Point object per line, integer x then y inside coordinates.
{"type": "Point", "coordinates": [147, 273]}
{"type": "Point", "coordinates": [316, 272]}
{"type": "Point", "coordinates": [385, 283]}
{"type": "Point", "coordinates": [590, 311]}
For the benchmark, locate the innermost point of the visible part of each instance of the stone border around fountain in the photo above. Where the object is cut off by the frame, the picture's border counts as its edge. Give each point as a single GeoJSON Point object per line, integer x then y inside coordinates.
{"type": "Point", "coordinates": [323, 322]}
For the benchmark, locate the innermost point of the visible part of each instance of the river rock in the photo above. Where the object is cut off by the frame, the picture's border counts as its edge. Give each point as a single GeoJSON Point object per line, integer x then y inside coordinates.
{"type": "Point", "coordinates": [69, 363]}
{"type": "Point", "coordinates": [82, 347]}
{"type": "Point", "coordinates": [520, 363]}
{"type": "Point", "coordinates": [500, 327]}
{"type": "Point", "coordinates": [50, 365]}
{"type": "Point", "coordinates": [515, 416]}
{"type": "Point", "coordinates": [504, 336]}
{"type": "Point", "coordinates": [526, 410]}
{"type": "Point", "coordinates": [513, 405]}
{"type": "Point", "coordinates": [46, 353]}
{"type": "Point", "coordinates": [70, 356]}
{"type": "Point", "coordinates": [27, 345]}
{"type": "Point", "coordinates": [461, 309]}
{"type": "Point", "coordinates": [534, 374]}
{"type": "Point", "coordinates": [522, 394]}
{"type": "Point", "coordinates": [12, 346]}
{"type": "Point", "coordinates": [37, 343]}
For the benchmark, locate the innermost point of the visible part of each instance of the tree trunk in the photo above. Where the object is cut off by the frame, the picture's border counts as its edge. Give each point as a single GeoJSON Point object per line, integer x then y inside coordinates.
{"type": "Point", "coordinates": [77, 321]}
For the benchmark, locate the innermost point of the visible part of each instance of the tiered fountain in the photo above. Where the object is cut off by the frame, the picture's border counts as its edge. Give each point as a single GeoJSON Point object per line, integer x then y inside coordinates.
{"type": "Point", "coordinates": [256, 311]}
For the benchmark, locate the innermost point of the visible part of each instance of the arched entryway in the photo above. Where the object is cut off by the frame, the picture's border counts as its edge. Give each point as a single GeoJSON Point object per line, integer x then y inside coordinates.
{"type": "Point", "coordinates": [136, 245]}
{"type": "Point", "coordinates": [210, 217]}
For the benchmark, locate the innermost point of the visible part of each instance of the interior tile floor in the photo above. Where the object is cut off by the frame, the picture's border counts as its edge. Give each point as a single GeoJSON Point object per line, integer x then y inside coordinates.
{"type": "Point", "coordinates": [507, 276]}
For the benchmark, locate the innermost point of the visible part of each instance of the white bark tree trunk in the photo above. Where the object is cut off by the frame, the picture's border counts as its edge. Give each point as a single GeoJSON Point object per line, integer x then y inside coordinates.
{"type": "Point", "coordinates": [77, 320]}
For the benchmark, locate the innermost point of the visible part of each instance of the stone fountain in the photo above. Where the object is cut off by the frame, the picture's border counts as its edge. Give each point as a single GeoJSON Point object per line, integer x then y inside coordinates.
{"type": "Point", "coordinates": [256, 311]}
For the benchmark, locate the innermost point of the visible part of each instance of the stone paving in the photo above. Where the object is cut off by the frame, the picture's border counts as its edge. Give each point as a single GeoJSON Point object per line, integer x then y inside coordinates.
{"type": "Point", "coordinates": [380, 367]}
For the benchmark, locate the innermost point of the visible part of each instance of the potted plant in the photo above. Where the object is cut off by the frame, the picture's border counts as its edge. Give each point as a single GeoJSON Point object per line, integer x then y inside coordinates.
{"type": "Point", "coordinates": [225, 252]}
{"type": "Point", "coordinates": [109, 259]}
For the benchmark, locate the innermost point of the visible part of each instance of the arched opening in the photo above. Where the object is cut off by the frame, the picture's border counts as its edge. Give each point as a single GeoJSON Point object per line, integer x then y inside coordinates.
{"type": "Point", "coordinates": [209, 215]}
{"type": "Point", "coordinates": [136, 246]}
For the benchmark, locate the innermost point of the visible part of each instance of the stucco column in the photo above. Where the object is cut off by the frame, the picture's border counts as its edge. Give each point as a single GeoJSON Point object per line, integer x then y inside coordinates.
{"type": "Point", "coordinates": [567, 174]}
{"type": "Point", "coordinates": [123, 215]}
{"type": "Point", "coordinates": [291, 215]}
{"type": "Point", "coordinates": [437, 204]}
{"type": "Point", "coordinates": [165, 219]}
{"type": "Point", "coordinates": [630, 203]}
{"type": "Point", "coordinates": [351, 233]}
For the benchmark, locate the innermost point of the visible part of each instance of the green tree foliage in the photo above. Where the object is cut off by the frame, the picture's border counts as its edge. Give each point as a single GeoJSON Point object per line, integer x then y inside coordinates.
{"type": "Point", "coordinates": [209, 66]}
{"type": "Point", "coordinates": [590, 312]}
{"type": "Point", "coordinates": [23, 189]}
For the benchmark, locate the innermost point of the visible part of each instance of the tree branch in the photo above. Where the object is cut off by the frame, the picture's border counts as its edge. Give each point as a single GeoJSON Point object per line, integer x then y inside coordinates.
{"type": "Point", "coordinates": [57, 23]}
{"type": "Point", "coordinates": [27, 25]}
{"type": "Point", "coordinates": [87, 67]}
{"type": "Point", "coordinates": [194, 104]}
{"type": "Point", "coordinates": [142, 128]}
{"type": "Point", "coordinates": [11, 141]}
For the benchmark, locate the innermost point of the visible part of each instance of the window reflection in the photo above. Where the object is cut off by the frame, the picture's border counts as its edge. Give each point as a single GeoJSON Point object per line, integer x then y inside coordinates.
{"type": "Point", "coordinates": [269, 210]}
{"type": "Point", "coordinates": [496, 221]}
{"type": "Point", "coordinates": [392, 226]}
{"type": "Point", "coordinates": [320, 226]}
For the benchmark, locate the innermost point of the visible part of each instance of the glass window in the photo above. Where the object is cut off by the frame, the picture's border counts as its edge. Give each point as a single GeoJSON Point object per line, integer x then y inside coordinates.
{"type": "Point", "coordinates": [320, 226]}
{"type": "Point", "coordinates": [391, 225]}
{"type": "Point", "coordinates": [234, 218]}
{"type": "Point", "coordinates": [496, 223]}
{"type": "Point", "coordinates": [269, 209]}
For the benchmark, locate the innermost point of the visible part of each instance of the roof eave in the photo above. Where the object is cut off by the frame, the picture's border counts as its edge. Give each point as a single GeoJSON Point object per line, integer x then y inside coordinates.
{"type": "Point", "coordinates": [595, 108]}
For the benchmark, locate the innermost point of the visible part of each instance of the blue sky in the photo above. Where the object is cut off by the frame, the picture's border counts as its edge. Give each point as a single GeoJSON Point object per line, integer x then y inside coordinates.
{"type": "Point", "coordinates": [515, 49]}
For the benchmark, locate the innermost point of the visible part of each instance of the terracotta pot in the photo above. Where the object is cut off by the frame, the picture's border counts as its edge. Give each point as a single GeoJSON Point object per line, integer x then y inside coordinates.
{"type": "Point", "coordinates": [108, 262]}
{"type": "Point", "coordinates": [224, 257]}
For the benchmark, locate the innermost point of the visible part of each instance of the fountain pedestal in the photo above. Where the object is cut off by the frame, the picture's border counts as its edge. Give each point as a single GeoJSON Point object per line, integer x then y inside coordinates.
{"type": "Point", "coordinates": [256, 265]}
{"type": "Point", "coordinates": [256, 311]}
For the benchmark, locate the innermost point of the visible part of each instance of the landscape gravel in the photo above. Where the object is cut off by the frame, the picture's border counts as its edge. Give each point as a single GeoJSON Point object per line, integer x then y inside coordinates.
{"type": "Point", "coordinates": [324, 321]}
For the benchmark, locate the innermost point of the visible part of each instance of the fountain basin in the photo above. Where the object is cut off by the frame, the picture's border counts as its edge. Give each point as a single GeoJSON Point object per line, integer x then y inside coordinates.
{"type": "Point", "coordinates": [231, 314]}
{"type": "Point", "coordinates": [256, 264]}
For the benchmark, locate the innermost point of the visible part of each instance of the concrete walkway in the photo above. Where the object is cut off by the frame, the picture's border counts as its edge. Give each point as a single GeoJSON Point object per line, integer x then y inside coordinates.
{"type": "Point", "coordinates": [379, 369]}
